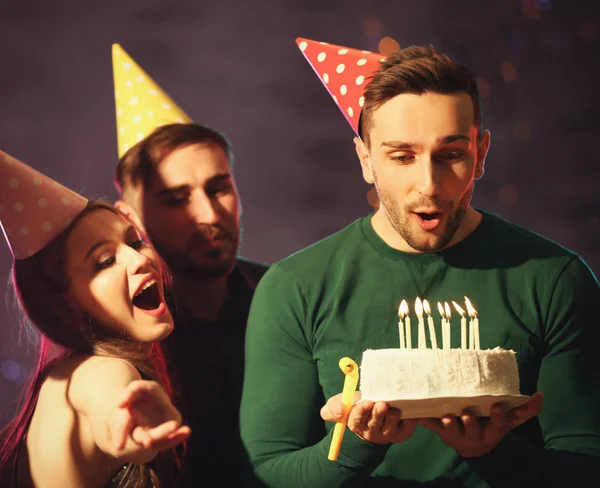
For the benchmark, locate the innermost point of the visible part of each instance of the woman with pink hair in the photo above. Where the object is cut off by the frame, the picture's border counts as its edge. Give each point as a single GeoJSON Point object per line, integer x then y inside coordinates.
{"type": "Point", "coordinates": [97, 411]}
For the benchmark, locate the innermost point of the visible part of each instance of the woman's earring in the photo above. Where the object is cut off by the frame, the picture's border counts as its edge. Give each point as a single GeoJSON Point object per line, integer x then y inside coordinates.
{"type": "Point", "coordinates": [87, 330]}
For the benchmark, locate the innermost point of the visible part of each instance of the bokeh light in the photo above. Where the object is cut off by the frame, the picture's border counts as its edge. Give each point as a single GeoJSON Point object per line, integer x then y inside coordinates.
{"type": "Point", "coordinates": [508, 194]}
{"type": "Point", "coordinates": [388, 45]}
{"type": "Point", "coordinates": [589, 30]}
{"type": "Point", "coordinates": [508, 71]}
{"type": "Point", "coordinates": [523, 130]}
{"type": "Point", "coordinates": [10, 370]}
{"type": "Point", "coordinates": [484, 87]}
{"type": "Point", "coordinates": [373, 27]}
{"type": "Point", "coordinates": [373, 198]}
{"type": "Point", "coordinates": [530, 10]}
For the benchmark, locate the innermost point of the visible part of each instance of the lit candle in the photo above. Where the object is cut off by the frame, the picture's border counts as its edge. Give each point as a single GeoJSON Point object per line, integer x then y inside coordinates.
{"type": "Point", "coordinates": [350, 370]}
{"type": "Point", "coordinates": [463, 325]}
{"type": "Point", "coordinates": [448, 313]}
{"type": "Point", "coordinates": [443, 314]}
{"type": "Point", "coordinates": [473, 325]}
{"type": "Point", "coordinates": [432, 336]}
{"type": "Point", "coordinates": [476, 324]}
{"type": "Point", "coordinates": [402, 311]}
{"type": "Point", "coordinates": [407, 328]}
{"type": "Point", "coordinates": [419, 311]}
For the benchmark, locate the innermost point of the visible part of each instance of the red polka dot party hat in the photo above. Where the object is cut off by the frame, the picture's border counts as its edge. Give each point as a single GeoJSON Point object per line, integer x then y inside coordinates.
{"type": "Point", "coordinates": [344, 72]}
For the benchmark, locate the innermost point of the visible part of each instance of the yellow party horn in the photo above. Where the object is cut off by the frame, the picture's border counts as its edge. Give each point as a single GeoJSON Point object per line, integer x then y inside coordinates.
{"type": "Point", "coordinates": [350, 369]}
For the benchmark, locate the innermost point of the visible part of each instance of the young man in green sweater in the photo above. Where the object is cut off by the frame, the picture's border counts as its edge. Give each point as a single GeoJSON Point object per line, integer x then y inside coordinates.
{"type": "Point", "coordinates": [421, 144]}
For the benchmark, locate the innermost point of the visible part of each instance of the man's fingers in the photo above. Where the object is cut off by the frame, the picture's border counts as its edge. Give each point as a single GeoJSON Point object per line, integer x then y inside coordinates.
{"type": "Point", "coordinates": [450, 426]}
{"type": "Point", "coordinates": [407, 427]}
{"type": "Point", "coordinates": [444, 427]}
{"type": "Point", "coordinates": [333, 410]}
{"type": "Point", "coordinates": [360, 416]}
{"type": "Point", "coordinates": [380, 409]}
{"type": "Point", "coordinates": [391, 422]}
{"type": "Point", "coordinates": [499, 424]}
{"type": "Point", "coordinates": [357, 396]}
{"type": "Point", "coordinates": [523, 413]}
{"type": "Point", "coordinates": [471, 426]}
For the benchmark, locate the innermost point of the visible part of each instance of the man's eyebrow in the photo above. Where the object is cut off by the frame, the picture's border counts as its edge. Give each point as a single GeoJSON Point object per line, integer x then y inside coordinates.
{"type": "Point", "coordinates": [440, 140]}
{"type": "Point", "coordinates": [452, 138]}
{"type": "Point", "coordinates": [397, 144]}
{"type": "Point", "coordinates": [218, 178]}
{"type": "Point", "coordinates": [171, 191]}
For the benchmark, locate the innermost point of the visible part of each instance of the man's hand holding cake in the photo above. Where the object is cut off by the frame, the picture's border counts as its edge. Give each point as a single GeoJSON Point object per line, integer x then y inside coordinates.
{"type": "Point", "coordinates": [374, 422]}
{"type": "Point", "coordinates": [472, 436]}
{"type": "Point", "coordinates": [469, 434]}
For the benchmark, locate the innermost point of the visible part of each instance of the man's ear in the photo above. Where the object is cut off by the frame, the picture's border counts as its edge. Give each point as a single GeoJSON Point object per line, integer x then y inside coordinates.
{"type": "Point", "coordinates": [130, 212]}
{"type": "Point", "coordinates": [483, 146]}
{"type": "Point", "coordinates": [365, 159]}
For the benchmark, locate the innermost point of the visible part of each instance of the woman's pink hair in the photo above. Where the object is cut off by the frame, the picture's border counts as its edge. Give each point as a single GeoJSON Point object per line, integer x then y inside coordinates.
{"type": "Point", "coordinates": [40, 284]}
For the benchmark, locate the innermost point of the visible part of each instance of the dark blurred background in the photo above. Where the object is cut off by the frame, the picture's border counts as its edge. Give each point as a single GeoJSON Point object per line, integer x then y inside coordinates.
{"type": "Point", "coordinates": [234, 65]}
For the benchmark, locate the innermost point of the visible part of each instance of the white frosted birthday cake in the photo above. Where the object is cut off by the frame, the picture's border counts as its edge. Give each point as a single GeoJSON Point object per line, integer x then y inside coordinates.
{"type": "Point", "coordinates": [433, 382]}
{"type": "Point", "coordinates": [391, 374]}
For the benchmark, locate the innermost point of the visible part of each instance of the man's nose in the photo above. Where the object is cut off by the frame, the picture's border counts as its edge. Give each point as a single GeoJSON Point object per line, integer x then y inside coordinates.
{"type": "Point", "coordinates": [203, 210]}
{"type": "Point", "coordinates": [429, 177]}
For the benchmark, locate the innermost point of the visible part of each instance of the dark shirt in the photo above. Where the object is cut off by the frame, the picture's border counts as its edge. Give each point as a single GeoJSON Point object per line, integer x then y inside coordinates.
{"type": "Point", "coordinates": [206, 361]}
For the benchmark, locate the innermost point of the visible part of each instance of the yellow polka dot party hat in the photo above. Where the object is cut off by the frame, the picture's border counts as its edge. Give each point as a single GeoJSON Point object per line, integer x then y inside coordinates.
{"type": "Point", "coordinates": [34, 208]}
{"type": "Point", "coordinates": [141, 105]}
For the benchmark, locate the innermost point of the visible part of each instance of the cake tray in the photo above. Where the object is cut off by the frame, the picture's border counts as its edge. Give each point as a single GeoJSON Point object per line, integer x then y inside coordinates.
{"type": "Point", "coordinates": [441, 406]}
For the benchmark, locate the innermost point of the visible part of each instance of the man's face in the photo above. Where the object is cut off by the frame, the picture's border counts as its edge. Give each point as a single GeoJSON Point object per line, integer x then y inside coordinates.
{"type": "Point", "coordinates": [424, 156]}
{"type": "Point", "coordinates": [191, 211]}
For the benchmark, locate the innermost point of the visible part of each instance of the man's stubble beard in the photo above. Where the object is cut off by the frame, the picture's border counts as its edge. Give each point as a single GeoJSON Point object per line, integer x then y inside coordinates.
{"type": "Point", "coordinates": [185, 266]}
{"type": "Point", "coordinates": [401, 223]}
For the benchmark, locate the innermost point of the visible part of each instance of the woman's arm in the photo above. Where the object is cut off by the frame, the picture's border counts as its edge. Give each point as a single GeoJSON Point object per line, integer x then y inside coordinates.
{"type": "Point", "coordinates": [130, 419]}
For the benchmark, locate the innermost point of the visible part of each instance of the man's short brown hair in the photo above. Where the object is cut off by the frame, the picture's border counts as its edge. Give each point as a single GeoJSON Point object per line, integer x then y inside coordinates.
{"type": "Point", "coordinates": [137, 164]}
{"type": "Point", "coordinates": [416, 70]}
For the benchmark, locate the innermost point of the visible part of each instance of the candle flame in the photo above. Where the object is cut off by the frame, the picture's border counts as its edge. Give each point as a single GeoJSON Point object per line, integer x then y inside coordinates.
{"type": "Point", "coordinates": [458, 309]}
{"type": "Point", "coordinates": [470, 310]}
{"type": "Point", "coordinates": [403, 309]}
{"type": "Point", "coordinates": [441, 310]}
{"type": "Point", "coordinates": [418, 307]}
{"type": "Point", "coordinates": [426, 307]}
{"type": "Point", "coordinates": [447, 309]}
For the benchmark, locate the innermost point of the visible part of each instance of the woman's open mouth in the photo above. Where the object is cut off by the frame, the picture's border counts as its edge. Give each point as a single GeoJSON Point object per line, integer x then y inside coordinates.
{"type": "Point", "coordinates": [149, 298]}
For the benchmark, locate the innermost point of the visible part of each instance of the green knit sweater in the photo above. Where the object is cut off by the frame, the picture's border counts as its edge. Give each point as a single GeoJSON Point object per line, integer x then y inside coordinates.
{"type": "Point", "coordinates": [340, 296]}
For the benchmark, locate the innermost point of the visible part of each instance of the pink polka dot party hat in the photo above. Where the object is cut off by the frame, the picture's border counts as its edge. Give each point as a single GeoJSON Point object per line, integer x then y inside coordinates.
{"type": "Point", "coordinates": [34, 208]}
{"type": "Point", "coordinates": [344, 72]}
